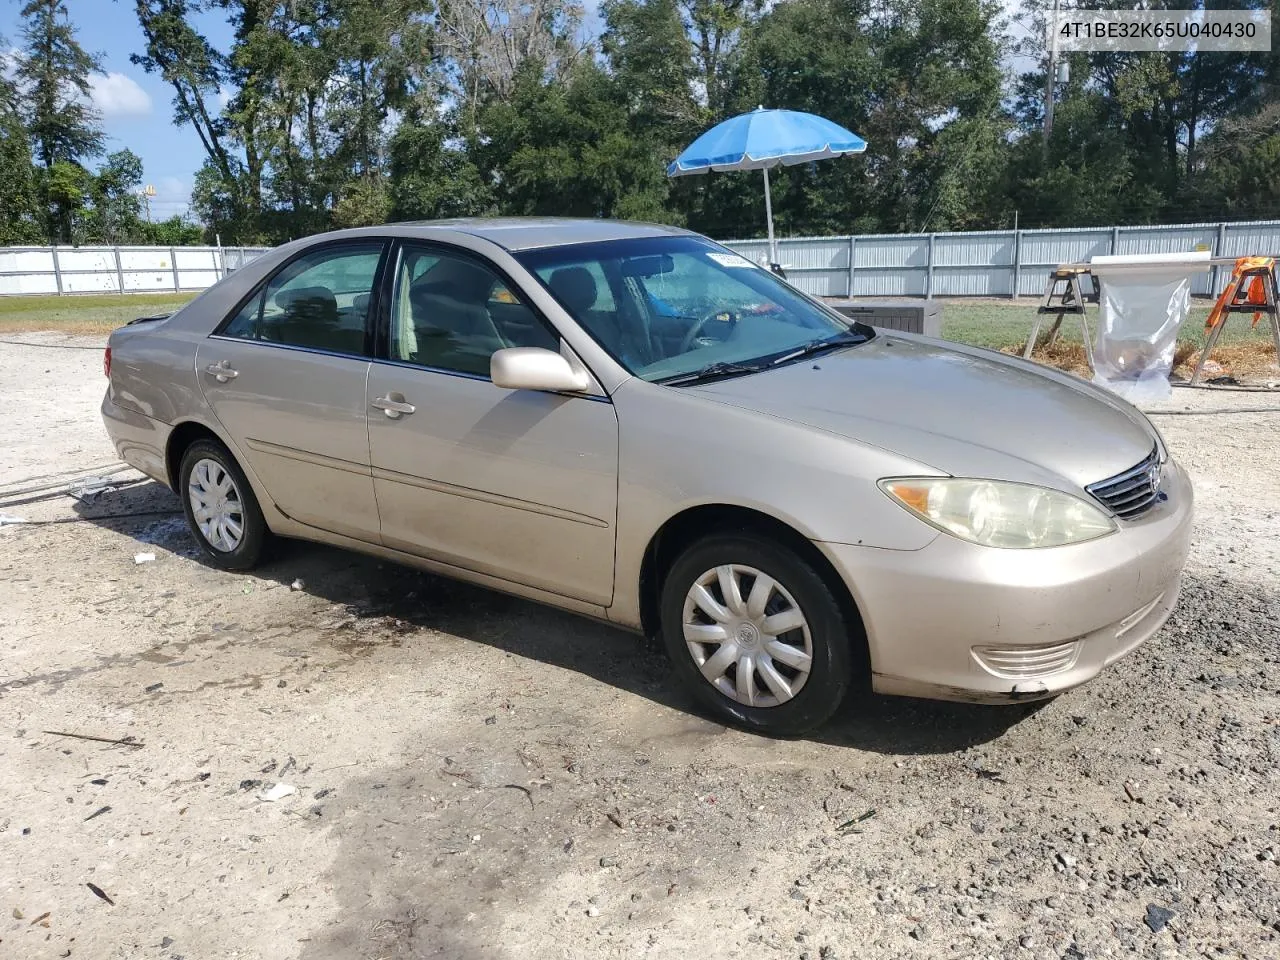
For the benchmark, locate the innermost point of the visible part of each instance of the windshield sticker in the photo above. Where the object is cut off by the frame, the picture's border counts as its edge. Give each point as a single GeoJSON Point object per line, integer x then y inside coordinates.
{"type": "Point", "coordinates": [730, 260]}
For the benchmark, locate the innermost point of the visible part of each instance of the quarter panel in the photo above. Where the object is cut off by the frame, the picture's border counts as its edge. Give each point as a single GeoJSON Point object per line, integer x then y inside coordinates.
{"type": "Point", "coordinates": [153, 373]}
{"type": "Point", "coordinates": [299, 418]}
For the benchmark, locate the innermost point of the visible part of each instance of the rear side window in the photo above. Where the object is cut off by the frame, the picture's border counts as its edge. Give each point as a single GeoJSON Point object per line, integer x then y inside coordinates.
{"type": "Point", "coordinates": [320, 301]}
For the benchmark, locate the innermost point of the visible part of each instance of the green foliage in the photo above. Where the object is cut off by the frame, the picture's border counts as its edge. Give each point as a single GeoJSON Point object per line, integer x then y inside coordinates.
{"type": "Point", "coordinates": [431, 179]}
{"type": "Point", "coordinates": [53, 75]}
{"type": "Point", "coordinates": [332, 113]}
{"type": "Point", "coordinates": [174, 232]}
{"type": "Point", "coordinates": [52, 78]}
{"type": "Point", "coordinates": [21, 220]}
{"type": "Point", "coordinates": [565, 149]}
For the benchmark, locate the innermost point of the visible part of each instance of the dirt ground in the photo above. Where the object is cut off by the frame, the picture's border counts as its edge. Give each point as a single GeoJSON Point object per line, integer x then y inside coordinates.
{"type": "Point", "coordinates": [479, 777]}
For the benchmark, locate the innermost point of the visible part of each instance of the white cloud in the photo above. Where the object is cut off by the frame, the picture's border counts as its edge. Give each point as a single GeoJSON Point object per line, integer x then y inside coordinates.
{"type": "Point", "coordinates": [117, 95]}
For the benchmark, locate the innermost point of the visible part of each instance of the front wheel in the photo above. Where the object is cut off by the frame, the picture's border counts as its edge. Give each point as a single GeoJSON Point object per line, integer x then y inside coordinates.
{"type": "Point", "coordinates": [756, 634]}
{"type": "Point", "coordinates": [220, 506]}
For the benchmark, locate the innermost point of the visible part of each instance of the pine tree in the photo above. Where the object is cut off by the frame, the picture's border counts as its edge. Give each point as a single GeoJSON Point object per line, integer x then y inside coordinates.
{"type": "Point", "coordinates": [53, 76]}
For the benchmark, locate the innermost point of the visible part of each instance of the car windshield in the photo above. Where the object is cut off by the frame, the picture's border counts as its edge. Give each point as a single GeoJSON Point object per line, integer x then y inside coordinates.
{"type": "Point", "coordinates": [668, 307]}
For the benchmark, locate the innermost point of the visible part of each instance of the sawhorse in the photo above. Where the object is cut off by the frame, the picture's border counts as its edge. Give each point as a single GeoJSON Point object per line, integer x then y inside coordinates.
{"type": "Point", "coordinates": [1239, 302]}
{"type": "Point", "coordinates": [1068, 299]}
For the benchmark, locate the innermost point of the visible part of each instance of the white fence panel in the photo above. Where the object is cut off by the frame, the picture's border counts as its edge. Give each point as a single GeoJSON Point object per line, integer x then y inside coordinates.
{"type": "Point", "coordinates": [45, 270]}
{"type": "Point", "coordinates": [27, 271]}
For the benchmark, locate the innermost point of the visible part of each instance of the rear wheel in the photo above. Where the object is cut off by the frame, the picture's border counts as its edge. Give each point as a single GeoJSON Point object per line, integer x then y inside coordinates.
{"type": "Point", "coordinates": [756, 634]}
{"type": "Point", "coordinates": [220, 507]}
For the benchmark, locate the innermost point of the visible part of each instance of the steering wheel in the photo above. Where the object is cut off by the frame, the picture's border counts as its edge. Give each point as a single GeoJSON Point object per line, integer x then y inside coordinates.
{"type": "Point", "coordinates": [720, 316]}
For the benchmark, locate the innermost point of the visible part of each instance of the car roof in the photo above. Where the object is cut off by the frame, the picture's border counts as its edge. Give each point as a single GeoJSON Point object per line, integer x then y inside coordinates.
{"type": "Point", "coordinates": [527, 233]}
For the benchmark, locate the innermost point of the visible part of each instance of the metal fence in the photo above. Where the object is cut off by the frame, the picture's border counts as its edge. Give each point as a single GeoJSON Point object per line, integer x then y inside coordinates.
{"type": "Point", "coordinates": [997, 263]}
{"type": "Point", "coordinates": [37, 270]}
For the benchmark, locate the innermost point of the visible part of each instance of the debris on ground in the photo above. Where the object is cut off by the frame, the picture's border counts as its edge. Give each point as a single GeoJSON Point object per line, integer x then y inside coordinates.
{"type": "Point", "coordinates": [277, 792]}
{"type": "Point", "coordinates": [1158, 917]}
{"type": "Point", "coordinates": [90, 489]}
{"type": "Point", "coordinates": [100, 893]}
{"type": "Point", "coordinates": [850, 824]}
{"type": "Point", "coordinates": [140, 558]}
{"type": "Point", "coordinates": [129, 741]}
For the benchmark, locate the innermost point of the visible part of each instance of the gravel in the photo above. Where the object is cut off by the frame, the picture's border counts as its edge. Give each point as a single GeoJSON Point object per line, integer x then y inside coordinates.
{"type": "Point", "coordinates": [1136, 816]}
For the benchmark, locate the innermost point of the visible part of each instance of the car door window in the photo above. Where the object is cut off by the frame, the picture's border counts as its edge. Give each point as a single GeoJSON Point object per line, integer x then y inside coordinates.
{"type": "Point", "coordinates": [320, 301]}
{"type": "Point", "coordinates": [454, 312]}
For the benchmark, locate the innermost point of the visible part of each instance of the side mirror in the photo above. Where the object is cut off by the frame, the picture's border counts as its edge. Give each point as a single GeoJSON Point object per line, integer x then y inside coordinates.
{"type": "Point", "coordinates": [533, 368]}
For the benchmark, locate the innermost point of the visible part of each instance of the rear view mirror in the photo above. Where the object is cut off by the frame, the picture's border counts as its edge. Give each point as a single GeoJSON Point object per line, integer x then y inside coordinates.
{"type": "Point", "coordinates": [533, 368]}
{"type": "Point", "coordinates": [648, 266]}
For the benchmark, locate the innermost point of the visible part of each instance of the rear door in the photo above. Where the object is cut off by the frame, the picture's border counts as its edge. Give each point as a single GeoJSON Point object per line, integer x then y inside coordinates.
{"type": "Point", "coordinates": [286, 377]}
{"type": "Point", "coordinates": [517, 484]}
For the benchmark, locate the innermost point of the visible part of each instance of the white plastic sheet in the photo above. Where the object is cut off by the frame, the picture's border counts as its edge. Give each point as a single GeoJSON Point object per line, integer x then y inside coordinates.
{"type": "Point", "coordinates": [1142, 303]}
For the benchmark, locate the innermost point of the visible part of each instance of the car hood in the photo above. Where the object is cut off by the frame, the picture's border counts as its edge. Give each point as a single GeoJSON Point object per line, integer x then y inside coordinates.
{"type": "Point", "coordinates": [961, 410]}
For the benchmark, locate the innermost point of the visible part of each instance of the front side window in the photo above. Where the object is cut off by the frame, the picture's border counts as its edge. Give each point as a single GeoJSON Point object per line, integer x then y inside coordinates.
{"type": "Point", "coordinates": [320, 300]}
{"type": "Point", "coordinates": [451, 312]}
{"type": "Point", "coordinates": [665, 307]}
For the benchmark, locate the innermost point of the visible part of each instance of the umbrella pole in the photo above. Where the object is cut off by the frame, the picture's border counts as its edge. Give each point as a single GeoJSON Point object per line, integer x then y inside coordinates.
{"type": "Point", "coordinates": [768, 213]}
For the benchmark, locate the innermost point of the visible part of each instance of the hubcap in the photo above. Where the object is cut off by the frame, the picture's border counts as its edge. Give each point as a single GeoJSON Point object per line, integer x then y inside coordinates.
{"type": "Point", "coordinates": [215, 504]}
{"type": "Point", "coordinates": [747, 635]}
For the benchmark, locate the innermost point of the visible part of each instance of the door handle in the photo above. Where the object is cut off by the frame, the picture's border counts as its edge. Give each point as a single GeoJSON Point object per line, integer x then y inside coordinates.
{"type": "Point", "coordinates": [222, 371]}
{"type": "Point", "coordinates": [393, 405]}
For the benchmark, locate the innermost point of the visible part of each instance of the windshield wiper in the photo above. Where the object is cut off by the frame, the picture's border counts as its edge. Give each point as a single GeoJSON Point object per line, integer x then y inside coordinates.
{"type": "Point", "coordinates": [713, 371]}
{"type": "Point", "coordinates": [845, 338]}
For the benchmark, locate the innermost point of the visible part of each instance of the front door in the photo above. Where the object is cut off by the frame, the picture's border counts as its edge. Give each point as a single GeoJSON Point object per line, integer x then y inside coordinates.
{"type": "Point", "coordinates": [286, 377]}
{"type": "Point", "coordinates": [516, 484]}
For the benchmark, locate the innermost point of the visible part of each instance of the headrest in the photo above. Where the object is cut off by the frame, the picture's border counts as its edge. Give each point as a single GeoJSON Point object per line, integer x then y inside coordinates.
{"type": "Point", "coordinates": [288, 298]}
{"type": "Point", "coordinates": [457, 279]}
{"type": "Point", "coordinates": [575, 287]}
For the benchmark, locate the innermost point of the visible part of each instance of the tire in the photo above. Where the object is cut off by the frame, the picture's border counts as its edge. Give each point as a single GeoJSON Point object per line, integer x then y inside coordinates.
{"type": "Point", "coordinates": [219, 547]}
{"type": "Point", "coordinates": [825, 635]}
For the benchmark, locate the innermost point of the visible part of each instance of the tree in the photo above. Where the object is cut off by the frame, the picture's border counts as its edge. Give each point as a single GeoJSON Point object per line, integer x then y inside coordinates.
{"type": "Point", "coordinates": [432, 175]}
{"type": "Point", "coordinates": [116, 214]}
{"type": "Point", "coordinates": [301, 142]}
{"type": "Point", "coordinates": [188, 62]}
{"type": "Point", "coordinates": [1239, 173]}
{"type": "Point", "coordinates": [651, 59]}
{"type": "Point", "coordinates": [714, 27]}
{"type": "Point", "coordinates": [174, 232]}
{"type": "Point", "coordinates": [53, 76]}
{"type": "Point", "coordinates": [20, 218]}
{"type": "Point", "coordinates": [564, 149]}
{"type": "Point", "coordinates": [482, 46]}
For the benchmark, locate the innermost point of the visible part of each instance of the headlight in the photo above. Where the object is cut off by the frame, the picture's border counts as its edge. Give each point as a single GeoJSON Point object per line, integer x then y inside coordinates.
{"type": "Point", "coordinates": [996, 513]}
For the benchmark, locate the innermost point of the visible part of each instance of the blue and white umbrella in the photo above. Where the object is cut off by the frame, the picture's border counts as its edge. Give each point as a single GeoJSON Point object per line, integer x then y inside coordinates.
{"type": "Point", "coordinates": [762, 139]}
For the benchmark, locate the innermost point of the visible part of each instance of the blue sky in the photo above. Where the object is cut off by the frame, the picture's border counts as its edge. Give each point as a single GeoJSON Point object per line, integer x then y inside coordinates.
{"type": "Point", "coordinates": [136, 107]}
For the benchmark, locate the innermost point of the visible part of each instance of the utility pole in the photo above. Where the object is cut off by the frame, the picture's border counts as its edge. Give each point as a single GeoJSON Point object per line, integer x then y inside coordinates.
{"type": "Point", "coordinates": [1050, 77]}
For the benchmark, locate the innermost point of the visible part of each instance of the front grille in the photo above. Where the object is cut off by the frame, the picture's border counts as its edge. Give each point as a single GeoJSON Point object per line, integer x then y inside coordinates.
{"type": "Point", "coordinates": [1131, 494]}
{"type": "Point", "coordinates": [1024, 663]}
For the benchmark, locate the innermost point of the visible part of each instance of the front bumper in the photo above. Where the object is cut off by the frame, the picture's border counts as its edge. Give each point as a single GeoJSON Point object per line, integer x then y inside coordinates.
{"type": "Point", "coordinates": [956, 621]}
